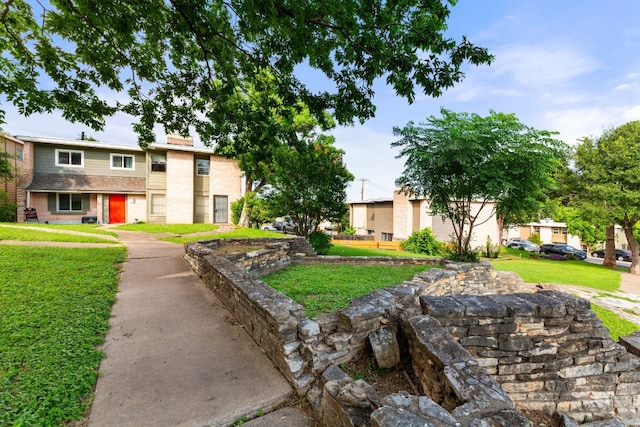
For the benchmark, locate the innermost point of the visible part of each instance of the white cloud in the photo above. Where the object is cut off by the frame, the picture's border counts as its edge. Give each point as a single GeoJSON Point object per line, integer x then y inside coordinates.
{"type": "Point", "coordinates": [541, 65]}
{"type": "Point", "coordinates": [368, 155]}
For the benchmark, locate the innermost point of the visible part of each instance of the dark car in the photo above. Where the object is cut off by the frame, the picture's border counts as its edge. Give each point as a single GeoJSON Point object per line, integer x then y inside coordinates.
{"type": "Point", "coordinates": [621, 254]}
{"type": "Point", "coordinates": [562, 249]}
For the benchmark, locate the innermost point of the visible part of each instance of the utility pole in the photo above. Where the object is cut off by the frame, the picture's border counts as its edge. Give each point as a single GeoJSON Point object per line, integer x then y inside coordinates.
{"type": "Point", "coordinates": [362, 190]}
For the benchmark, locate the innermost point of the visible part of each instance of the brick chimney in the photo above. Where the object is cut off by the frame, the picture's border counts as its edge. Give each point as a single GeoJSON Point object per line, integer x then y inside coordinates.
{"type": "Point", "coordinates": [180, 140]}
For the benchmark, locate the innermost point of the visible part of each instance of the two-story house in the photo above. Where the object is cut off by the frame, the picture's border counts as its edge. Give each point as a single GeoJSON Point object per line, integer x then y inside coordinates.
{"type": "Point", "coordinates": [78, 180]}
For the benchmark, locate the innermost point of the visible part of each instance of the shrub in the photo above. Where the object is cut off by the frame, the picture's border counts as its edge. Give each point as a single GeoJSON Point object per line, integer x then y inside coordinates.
{"type": "Point", "coordinates": [320, 242]}
{"type": "Point", "coordinates": [236, 210]}
{"type": "Point", "coordinates": [535, 238]}
{"type": "Point", "coordinates": [465, 256]}
{"type": "Point", "coordinates": [490, 250]}
{"type": "Point", "coordinates": [422, 242]}
{"type": "Point", "coordinates": [7, 210]}
{"type": "Point", "coordinates": [349, 231]}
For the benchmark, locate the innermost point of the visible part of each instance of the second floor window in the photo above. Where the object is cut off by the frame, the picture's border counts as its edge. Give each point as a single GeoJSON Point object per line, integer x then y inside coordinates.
{"type": "Point", "coordinates": [202, 166]}
{"type": "Point", "coordinates": [122, 161]}
{"type": "Point", "coordinates": [159, 162]}
{"type": "Point", "coordinates": [69, 158]}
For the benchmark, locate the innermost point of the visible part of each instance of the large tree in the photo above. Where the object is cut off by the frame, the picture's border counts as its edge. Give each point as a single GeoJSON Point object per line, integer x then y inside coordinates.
{"type": "Point", "coordinates": [263, 125]}
{"type": "Point", "coordinates": [461, 159]}
{"type": "Point", "coordinates": [179, 63]}
{"type": "Point", "coordinates": [309, 184]}
{"type": "Point", "coordinates": [610, 169]}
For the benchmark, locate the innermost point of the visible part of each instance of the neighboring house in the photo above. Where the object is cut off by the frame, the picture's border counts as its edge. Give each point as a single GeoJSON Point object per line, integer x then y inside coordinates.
{"type": "Point", "coordinates": [397, 218]}
{"type": "Point", "coordinates": [549, 231]}
{"type": "Point", "coordinates": [14, 187]}
{"type": "Point", "coordinates": [71, 181]}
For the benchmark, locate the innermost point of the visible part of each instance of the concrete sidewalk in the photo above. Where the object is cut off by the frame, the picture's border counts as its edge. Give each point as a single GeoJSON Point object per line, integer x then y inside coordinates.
{"type": "Point", "coordinates": [174, 355]}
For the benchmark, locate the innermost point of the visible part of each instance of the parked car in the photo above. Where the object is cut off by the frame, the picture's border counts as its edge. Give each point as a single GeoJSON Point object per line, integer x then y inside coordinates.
{"type": "Point", "coordinates": [621, 254]}
{"type": "Point", "coordinates": [269, 227]}
{"type": "Point", "coordinates": [562, 249]}
{"type": "Point", "coordinates": [522, 244]}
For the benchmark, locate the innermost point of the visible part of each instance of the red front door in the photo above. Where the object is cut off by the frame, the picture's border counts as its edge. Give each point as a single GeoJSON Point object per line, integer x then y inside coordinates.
{"type": "Point", "coordinates": [117, 212]}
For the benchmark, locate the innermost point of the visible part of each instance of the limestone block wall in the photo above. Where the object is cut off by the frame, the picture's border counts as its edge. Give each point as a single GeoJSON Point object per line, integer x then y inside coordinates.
{"type": "Point", "coordinates": [547, 350]}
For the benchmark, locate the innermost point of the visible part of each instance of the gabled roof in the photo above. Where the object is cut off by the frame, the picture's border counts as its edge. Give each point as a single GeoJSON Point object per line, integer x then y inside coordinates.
{"type": "Point", "coordinates": [87, 184]}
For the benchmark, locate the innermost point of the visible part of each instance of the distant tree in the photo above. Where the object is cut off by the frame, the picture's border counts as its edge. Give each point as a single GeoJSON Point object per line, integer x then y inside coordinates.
{"type": "Point", "coordinates": [179, 63]}
{"type": "Point", "coordinates": [462, 158]}
{"type": "Point", "coordinates": [609, 166]}
{"type": "Point", "coordinates": [309, 184]}
{"type": "Point", "coordinates": [7, 173]}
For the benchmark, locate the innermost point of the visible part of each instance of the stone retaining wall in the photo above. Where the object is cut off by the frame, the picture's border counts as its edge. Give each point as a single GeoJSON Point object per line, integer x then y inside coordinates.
{"type": "Point", "coordinates": [517, 338]}
{"type": "Point", "coordinates": [548, 350]}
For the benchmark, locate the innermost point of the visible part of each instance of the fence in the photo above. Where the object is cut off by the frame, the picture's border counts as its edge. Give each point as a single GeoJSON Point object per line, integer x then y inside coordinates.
{"type": "Point", "coordinates": [369, 244]}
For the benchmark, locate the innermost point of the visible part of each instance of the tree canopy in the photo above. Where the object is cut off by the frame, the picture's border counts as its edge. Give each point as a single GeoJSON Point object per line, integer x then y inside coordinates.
{"type": "Point", "coordinates": [180, 63]}
{"type": "Point", "coordinates": [609, 168]}
{"type": "Point", "coordinates": [462, 159]}
{"type": "Point", "coordinates": [309, 184]}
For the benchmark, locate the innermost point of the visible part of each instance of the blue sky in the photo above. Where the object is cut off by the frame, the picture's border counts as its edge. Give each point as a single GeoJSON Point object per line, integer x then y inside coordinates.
{"type": "Point", "coordinates": [569, 66]}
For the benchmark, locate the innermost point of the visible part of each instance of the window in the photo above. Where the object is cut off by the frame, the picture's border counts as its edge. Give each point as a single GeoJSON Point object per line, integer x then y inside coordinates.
{"type": "Point", "coordinates": [555, 230]}
{"type": "Point", "coordinates": [158, 204]}
{"type": "Point", "coordinates": [202, 167]}
{"type": "Point", "coordinates": [387, 237]}
{"type": "Point", "coordinates": [536, 230]}
{"type": "Point", "coordinates": [20, 154]}
{"type": "Point", "coordinates": [69, 202]}
{"type": "Point", "coordinates": [159, 162]}
{"type": "Point", "coordinates": [69, 158]}
{"type": "Point", "coordinates": [122, 161]}
{"type": "Point", "coordinates": [564, 231]}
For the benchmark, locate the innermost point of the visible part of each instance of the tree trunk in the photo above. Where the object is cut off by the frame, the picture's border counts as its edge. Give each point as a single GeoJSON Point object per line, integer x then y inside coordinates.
{"type": "Point", "coordinates": [610, 247]}
{"type": "Point", "coordinates": [245, 216]}
{"type": "Point", "coordinates": [500, 224]}
{"type": "Point", "coordinates": [635, 246]}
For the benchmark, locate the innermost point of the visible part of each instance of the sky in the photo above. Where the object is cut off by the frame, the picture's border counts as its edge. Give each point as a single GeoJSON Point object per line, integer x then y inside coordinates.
{"type": "Point", "coordinates": [570, 66]}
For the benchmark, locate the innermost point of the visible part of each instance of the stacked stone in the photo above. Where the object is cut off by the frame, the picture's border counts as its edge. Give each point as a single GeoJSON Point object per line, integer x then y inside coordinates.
{"type": "Point", "coordinates": [270, 317]}
{"type": "Point", "coordinates": [262, 262]}
{"type": "Point", "coordinates": [463, 279]}
{"type": "Point", "coordinates": [547, 350]}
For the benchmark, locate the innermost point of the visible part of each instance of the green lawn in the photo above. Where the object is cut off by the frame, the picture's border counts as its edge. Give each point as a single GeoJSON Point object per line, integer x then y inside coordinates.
{"type": "Point", "coordinates": [562, 272]}
{"type": "Point", "coordinates": [618, 327]}
{"type": "Point", "coordinates": [54, 309]}
{"type": "Point", "coordinates": [239, 232]}
{"type": "Point", "coordinates": [325, 288]}
{"type": "Point", "coordinates": [85, 228]}
{"type": "Point", "coordinates": [36, 234]}
{"type": "Point", "coordinates": [168, 228]}
{"type": "Point", "coordinates": [351, 251]}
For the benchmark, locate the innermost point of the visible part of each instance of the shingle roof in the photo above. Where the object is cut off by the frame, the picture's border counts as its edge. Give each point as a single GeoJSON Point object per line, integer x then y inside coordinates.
{"type": "Point", "coordinates": [87, 183]}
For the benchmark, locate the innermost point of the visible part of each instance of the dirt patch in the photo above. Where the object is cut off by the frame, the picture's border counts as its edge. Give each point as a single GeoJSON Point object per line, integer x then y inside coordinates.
{"type": "Point", "coordinates": [385, 381]}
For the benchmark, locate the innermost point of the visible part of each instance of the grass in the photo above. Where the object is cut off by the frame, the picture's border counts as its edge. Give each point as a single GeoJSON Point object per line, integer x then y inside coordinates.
{"type": "Point", "coordinates": [562, 272]}
{"type": "Point", "coordinates": [322, 289]}
{"type": "Point", "coordinates": [35, 234]}
{"type": "Point", "coordinates": [168, 228]}
{"type": "Point", "coordinates": [239, 232]}
{"type": "Point", "coordinates": [85, 228]}
{"type": "Point", "coordinates": [618, 327]}
{"type": "Point", "coordinates": [352, 251]}
{"type": "Point", "coordinates": [54, 309]}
